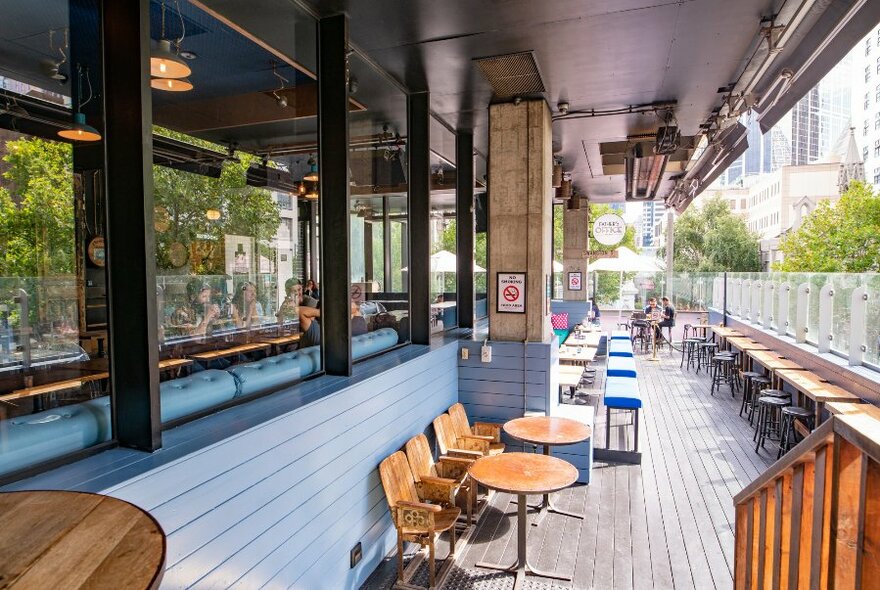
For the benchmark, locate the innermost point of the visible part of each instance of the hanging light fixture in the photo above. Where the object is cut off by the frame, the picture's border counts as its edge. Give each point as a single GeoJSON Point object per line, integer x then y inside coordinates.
{"type": "Point", "coordinates": [164, 62]}
{"type": "Point", "coordinates": [312, 195]}
{"type": "Point", "coordinates": [81, 130]}
{"type": "Point", "coordinates": [312, 176]}
{"type": "Point", "coordinates": [281, 99]}
{"type": "Point", "coordinates": [171, 84]}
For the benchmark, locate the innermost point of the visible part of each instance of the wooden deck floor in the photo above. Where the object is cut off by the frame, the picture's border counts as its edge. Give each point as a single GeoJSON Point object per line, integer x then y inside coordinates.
{"type": "Point", "coordinates": [667, 523]}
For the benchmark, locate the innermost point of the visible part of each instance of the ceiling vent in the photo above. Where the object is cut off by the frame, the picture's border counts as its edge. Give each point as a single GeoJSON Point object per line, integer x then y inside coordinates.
{"type": "Point", "coordinates": [513, 74]}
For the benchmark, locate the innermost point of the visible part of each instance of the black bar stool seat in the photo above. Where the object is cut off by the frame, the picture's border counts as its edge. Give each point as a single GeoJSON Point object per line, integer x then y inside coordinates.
{"type": "Point", "coordinates": [788, 436]}
{"type": "Point", "coordinates": [767, 421]}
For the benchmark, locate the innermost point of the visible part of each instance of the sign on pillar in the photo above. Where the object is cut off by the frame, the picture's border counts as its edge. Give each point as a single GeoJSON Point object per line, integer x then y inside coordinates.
{"type": "Point", "coordinates": [511, 296]}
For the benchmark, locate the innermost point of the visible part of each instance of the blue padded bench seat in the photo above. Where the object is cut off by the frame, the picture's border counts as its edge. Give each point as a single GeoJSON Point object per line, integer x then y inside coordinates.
{"type": "Point", "coordinates": [579, 454]}
{"type": "Point", "coordinates": [621, 366]}
{"type": "Point", "coordinates": [196, 392]}
{"type": "Point", "coordinates": [275, 371]}
{"type": "Point", "coordinates": [622, 393]}
{"type": "Point", "coordinates": [620, 348]}
{"type": "Point", "coordinates": [620, 335]}
{"type": "Point", "coordinates": [373, 342]}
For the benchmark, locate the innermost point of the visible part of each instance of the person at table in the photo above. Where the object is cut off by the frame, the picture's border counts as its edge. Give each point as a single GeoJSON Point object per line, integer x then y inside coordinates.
{"type": "Point", "coordinates": [312, 290]}
{"type": "Point", "coordinates": [289, 308]}
{"type": "Point", "coordinates": [595, 314]}
{"type": "Point", "coordinates": [358, 322]}
{"type": "Point", "coordinates": [246, 310]}
{"type": "Point", "coordinates": [201, 313]}
{"type": "Point", "coordinates": [308, 323]}
{"type": "Point", "coordinates": [668, 317]}
{"type": "Point", "coordinates": [651, 307]}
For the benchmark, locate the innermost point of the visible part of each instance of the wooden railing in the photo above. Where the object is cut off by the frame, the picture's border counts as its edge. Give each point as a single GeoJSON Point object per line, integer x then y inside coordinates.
{"type": "Point", "coordinates": [812, 520]}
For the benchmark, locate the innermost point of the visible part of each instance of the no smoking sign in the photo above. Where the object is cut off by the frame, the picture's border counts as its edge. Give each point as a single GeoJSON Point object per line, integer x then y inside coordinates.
{"type": "Point", "coordinates": [511, 296]}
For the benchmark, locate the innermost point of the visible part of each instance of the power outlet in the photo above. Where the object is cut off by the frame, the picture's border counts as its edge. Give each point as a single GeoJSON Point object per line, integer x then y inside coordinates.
{"type": "Point", "coordinates": [465, 353]}
{"type": "Point", "coordinates": [486, 354]}
{"type": "Point", "coordinates": [356, 554]}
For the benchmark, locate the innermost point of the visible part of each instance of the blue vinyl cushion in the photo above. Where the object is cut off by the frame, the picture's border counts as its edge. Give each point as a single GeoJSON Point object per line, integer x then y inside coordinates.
{"type": "Point", "coordinates": [199, 391]}
{"type": "Point", "coordinates": [275, 371]}
{"type": "Point", "coordinates": [619, 335]}
{"type": "Point", "coordinates": [620, 348]}
{"type": "Point", "coordinates": [373, 342]}
{"type": "Point", "coordinates": [622, 392]}
{"type": "Point", "coordinates": [621, 366]}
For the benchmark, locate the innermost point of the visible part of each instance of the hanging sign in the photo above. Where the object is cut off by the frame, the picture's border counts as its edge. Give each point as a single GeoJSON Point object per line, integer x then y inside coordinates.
{"type": "Point", "coordinates": [609, 229]}
{"type": "Point", "coordinates": [511, 297]}
{"type": "Point", "coordinates": [575, 281]}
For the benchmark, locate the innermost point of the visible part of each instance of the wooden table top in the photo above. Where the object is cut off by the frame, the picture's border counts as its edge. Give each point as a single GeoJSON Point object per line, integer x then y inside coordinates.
{"type": "Point", "coordinates": [725, 332]}
{"type": "Point", "coordinates": [572, 369]}
{"type": "Point", "coordinates": [547, 430]}
{"type": "Point", "coordinates": [569, 379]}
{"type": "Point", "coordinates": [853, 409]}
{"type": "Point", "coordinates": [282, 340]}
{"type": "Point", "coordinates": [224, 352]}
{"type": "Point", "coordinates": [586, 339]}
{"type": "Point", "coordinates": [54, 386]}
{"type": "Point", "coordinates": [743, 343]}
{"type": "Point", "coordinates": [813, 387]}
{"type": "Point", "coordinates": [76, 540]}
{"type": "Point", "coordinates": [523, 473]}
{"type": "Point", "coordinates": [168, 364]}
{"type": "Point", "coordinates": [577, 354]}
{"type": "Point", "coordinates": [772, 361]}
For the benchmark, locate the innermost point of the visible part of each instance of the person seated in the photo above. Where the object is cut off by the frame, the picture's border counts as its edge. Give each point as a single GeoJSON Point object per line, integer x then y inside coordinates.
{"type": "Point", "coordinates": [312, 290]}
{"type": "Point", "coordinates": [651, 308]}
{"type": "Point", "coordinates": [668, 318]}
{"type": "Point", "coordinates": [246, 310]}
{"type": "Point", "coordinates": [308, 323]}
{"type": "Point", "coordinates": [595, 314]}
{"type": "Point", "coordinates": [358, 322]}
{"type": "Point", "coordinates": [198, 316]}
{"type": "Point", "coordinates": [289, 308]}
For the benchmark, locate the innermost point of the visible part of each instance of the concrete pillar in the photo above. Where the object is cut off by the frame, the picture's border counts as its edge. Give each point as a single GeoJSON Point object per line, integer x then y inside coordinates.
{"type": "Point", "coordinates": [520, 215]}
{"type": "Point", "coordinates": [575, 246]}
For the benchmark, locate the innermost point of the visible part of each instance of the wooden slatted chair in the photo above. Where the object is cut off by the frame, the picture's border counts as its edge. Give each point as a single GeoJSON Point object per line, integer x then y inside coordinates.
{"type": "Point", "coordinates": [487, 430]}
{"type": "Point", "coordinates": [445, 480]}
{"type": "Point", "coordinates": [415, 520]}
{"type": "Point", "coordinates": [450, 444]}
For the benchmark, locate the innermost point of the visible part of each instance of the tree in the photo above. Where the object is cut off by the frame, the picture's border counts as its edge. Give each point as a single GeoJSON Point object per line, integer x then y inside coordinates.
{"type": "Point", "coordinates": [841, 237]}
{"type": "Point", "coordinates": [712, 239]}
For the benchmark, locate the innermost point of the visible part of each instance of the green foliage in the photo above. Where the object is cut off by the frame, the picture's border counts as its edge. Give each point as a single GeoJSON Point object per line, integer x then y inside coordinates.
{"type": "Point", "coordinates": [36, 209]}
{"type": "Point", "coordinates": [712, 239]}
{"type": "Point", "coordinates": [841, 237]}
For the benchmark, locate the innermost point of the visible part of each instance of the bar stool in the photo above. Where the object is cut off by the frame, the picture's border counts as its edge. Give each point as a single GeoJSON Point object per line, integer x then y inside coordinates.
{"type": "Point", "coordinates": [768, 418]}
{"type": "Point", "coordinates": [722, 372]}
{"type": "Point", "coordinates": [689, 352]}
{"type": "Point", "coordinates": [747, 377]}
{"type": "Point", "coordinates": [705, 352]}
{"type": "Point", "coordinates": [790, 415]}
{"type": "Point", "coordinates": [758, 385]}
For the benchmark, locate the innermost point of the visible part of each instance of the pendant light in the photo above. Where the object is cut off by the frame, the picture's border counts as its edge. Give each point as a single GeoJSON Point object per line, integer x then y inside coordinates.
{"type": "Point", "coordinates": [81, 130]}
{"type": "Point", "coordinates": [164, 62]}
{"type": "Point", "coordinates": [312, 176]}
{"type": "Point", "coordinates": [171, 84]}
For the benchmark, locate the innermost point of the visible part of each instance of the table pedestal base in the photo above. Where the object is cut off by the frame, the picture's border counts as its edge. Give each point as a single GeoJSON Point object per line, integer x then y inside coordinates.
{"type": "Point", "coordinates": [521, 566]}
{"type": "Point", "coordinates": [547, 505]}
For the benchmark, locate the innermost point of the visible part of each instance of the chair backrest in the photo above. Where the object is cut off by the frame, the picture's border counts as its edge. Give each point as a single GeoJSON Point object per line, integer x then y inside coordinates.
{"type": "Point", "coordinates": [445, 432]}
{"type": "Point", "coordinates": [397, 479]}
{"type": "Point", "coordinates": [460, 423]}
{"type": "Point", "coordinates": [639, 315]}
{"type": "Point", "coordinates": [418, 453]}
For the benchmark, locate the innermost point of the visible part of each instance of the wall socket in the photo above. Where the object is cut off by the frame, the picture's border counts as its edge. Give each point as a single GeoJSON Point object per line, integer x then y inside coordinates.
{"type": "Point", "coordinates": [465, 353]}
{"type": "Point", "coordinates": [356, 554]}
{"type": "Point", "coordinates": [486, 354]}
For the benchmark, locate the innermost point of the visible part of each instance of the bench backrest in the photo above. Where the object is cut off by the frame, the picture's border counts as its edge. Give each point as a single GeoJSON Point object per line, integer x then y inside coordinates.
{"type": "Point", "coordinates": [397, 479]}
{"type": "Point", "coordinates": [445, 431]}
{"type": "Point", "coordinates": [460, 423]}
{"type": "Point", "coordinates": [421, 462]}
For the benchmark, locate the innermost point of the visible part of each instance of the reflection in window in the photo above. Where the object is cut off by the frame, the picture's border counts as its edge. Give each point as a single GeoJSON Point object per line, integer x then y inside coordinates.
{"type": "Point", "coordinates": [444, 248]}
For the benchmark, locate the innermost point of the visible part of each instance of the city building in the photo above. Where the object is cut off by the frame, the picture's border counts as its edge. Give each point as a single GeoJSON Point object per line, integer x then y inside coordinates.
{"type": "Point", "coordinates": [866, 103]}
{"type": "Point", "coordinates": [651, 215]}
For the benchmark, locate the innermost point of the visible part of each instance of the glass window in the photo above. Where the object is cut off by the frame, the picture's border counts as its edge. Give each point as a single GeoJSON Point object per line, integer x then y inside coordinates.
{"type": "Point", "coordinates": [378, 211]}
{"type": "Point", "coordinates": [236, 189]}
{"type": "Point", "coordinates": [444, 248]}
{"type": "Point", "coordinates": [54, 354]}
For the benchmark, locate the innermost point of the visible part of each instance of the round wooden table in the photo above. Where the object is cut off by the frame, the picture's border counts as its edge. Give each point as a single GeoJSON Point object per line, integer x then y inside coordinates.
{"type": "Point", "coordinates": [77, 540]}
{"type": "Point", "coordinates": [523, 474]}
{"type": "Point", "coordinates": [548, 431]}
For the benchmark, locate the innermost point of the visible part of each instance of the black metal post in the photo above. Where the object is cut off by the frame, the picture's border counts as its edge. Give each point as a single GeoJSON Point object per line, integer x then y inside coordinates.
{"type": "Point", "coordinates": [724, 303]}
{"type": "Point", "coordinates": [131, 249]}
{"type": "Point", "coordinates": [418, 112]}
{"type": "Point", "coordinates": [333, 168]}
{"type": "Point", "coordinates": [464, 227]}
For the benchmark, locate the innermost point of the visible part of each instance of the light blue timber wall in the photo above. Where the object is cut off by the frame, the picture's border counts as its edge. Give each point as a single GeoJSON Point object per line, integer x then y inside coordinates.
{"type": "Point", "coordinates": [576, 310]}
{"type": "Point", "coordinates": [282, 503]}
{"type": "Point", "coordinates": [493, 392]}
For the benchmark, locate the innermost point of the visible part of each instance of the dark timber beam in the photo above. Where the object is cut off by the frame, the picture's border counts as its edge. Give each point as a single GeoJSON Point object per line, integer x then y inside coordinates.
{"type": "Point", "coordinates": [131, 262]}
{"type": "Point", "coordinates": [418, 114]}
{"type": "Point", "coordinates": [464, 226]}
{"type": "Point", "coordinates": [333, 166]}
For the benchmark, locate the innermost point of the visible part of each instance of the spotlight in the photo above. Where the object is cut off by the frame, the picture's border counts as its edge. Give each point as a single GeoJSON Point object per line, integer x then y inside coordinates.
{"type": "Point", "coordinates": [563, 108]}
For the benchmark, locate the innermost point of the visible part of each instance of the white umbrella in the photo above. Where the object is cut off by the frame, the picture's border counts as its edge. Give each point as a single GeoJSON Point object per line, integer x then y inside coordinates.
{"type": "Point", "coordinates": [445, 261]}
{"type": "Point", "coordinates": [626, 261]}
{"type": "Point", "coordinates": [557, 266]}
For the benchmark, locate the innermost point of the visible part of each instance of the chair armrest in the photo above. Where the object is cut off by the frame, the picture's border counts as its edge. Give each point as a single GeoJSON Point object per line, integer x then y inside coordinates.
{"type": "Point", "coordinates": [416, 515]}
{"type": "Point", "coordinates": [474, 443]}
{"type": "Point", "coordinates": [437, 489]}
{"type": "Point", "coordinates": [469, 454]}
{"type": "Point", "coordinates": [453, 467]}
{"type": "Point", "coordinates": [488, 429]}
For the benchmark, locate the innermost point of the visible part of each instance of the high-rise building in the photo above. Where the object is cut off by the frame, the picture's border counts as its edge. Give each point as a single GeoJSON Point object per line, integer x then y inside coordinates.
{"type": "Point", "coordinates": [866, 103]}
{"type": "Point", "coordinates": [652, 213]}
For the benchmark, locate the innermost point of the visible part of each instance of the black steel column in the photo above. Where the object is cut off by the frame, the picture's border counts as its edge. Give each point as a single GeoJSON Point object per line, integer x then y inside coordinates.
{"type": "Point", "coordinates": [418, 112]}
{"type": "Point", "coordinates": [464, 226]}
{"type": "Point", "coordinates": [131, 249]}
{"type": "Point", "coordinates": [333, 168]}
{"type": "Point", "coordinates": [388, 287]}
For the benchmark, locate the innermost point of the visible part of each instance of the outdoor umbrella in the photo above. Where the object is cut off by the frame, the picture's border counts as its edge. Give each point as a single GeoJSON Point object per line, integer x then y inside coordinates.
{"type": "Point", "coordinates": [626, 261]}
